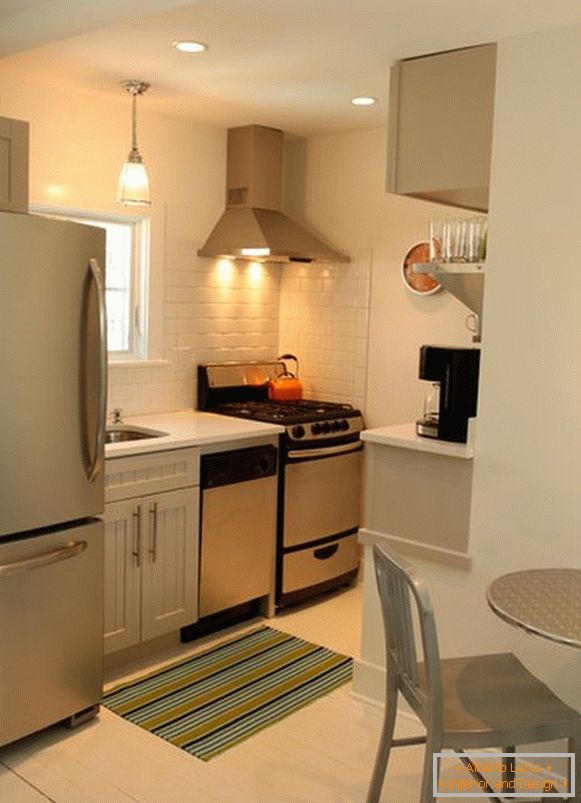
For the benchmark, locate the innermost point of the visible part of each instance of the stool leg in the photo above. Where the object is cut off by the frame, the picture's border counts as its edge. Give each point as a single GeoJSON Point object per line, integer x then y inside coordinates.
{"type": "Point", "coordinates": [385, 742]}
{"type": "Point", "coordinates": [433, 745]}
{"type": "Point", "coordinates": [575, 747]}
{"type": "Point", "coordinates": [509, 776]}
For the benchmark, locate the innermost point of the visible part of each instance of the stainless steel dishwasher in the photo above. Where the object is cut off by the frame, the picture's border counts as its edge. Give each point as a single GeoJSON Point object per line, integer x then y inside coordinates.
{"type": "Point", "coordinates": [238, 527]}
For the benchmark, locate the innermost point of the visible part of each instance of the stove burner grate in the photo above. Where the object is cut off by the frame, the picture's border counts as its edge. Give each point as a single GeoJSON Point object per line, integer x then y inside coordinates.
{"type": "Point", "coordinates": [287, 412]}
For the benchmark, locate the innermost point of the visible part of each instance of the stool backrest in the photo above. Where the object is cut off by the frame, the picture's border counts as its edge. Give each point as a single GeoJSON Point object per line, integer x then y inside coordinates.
{"type": "Point", "coordinates": [401, 590]}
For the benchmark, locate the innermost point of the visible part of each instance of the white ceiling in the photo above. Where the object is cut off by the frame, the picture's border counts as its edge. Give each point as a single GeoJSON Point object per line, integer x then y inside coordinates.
{"type": "Point", "coordinates": [289, 63]}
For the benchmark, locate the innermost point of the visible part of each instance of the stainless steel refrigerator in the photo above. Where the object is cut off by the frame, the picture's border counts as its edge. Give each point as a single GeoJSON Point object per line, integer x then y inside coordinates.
{"type": "Point", "coordinates": [52, 418]}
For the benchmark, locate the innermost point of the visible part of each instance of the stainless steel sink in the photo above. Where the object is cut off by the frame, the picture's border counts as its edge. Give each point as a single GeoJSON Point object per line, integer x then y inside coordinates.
{"type": "Point", "coordinates": [120, 434]}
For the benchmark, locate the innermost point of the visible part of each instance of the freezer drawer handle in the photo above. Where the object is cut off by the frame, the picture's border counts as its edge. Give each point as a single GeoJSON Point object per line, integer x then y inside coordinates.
{"type": "Point", "coordinates": [45, 559]}
{"type": "Point", "coordinates": [325, 552]}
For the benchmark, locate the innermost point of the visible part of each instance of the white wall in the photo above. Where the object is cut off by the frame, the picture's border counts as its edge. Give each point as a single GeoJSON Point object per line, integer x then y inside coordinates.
{"type": "Point", "coordinates": [204, 310]}
{"type": "Point", "coordinates": [527, 481]}
{"type": "Point", "coordinates": [345, 200]}
{"type": "Point", "coordinates": [526, 503]}
{"type": "Point", "coordinates": [78, 142]}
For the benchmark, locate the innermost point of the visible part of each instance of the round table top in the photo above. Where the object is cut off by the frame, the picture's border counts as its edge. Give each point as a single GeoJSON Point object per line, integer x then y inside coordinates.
{"type": "Point", "coordinates": [546, 602]}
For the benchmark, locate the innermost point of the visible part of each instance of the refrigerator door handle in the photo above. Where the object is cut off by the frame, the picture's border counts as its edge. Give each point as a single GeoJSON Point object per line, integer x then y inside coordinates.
{"type": "Point", "coordinates": [98, 441]}
{"type": "Point", "coordinates": [45, 559]}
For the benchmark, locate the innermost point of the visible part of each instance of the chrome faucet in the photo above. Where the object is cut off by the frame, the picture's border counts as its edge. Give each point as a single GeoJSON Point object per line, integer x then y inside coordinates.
{"type": "Point", "coordinates": [116, 415]}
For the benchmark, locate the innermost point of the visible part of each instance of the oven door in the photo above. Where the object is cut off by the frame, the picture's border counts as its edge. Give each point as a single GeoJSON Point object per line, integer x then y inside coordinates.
{"type": "Point", "coordinates": [322, 492]}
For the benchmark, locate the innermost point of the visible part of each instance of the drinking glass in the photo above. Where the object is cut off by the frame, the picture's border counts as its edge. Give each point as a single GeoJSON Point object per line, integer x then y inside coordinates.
{"type": "Point", "coordinates": [476, 239]}
{"type": "Point", "coordinates": [454, 240]}
{"type": "Point", "coordinates": [436, 240]}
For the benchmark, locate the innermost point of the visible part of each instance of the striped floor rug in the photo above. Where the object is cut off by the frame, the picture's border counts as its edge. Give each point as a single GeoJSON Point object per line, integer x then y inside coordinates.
{"type": "Point", "coordinates": [219, 697]}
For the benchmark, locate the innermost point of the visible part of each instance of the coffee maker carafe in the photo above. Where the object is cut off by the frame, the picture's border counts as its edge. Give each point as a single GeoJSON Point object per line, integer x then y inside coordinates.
{"type": "Point", "coordinates": [452, 397]}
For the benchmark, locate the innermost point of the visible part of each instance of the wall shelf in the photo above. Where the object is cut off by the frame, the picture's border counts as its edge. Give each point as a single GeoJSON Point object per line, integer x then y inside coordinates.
{"type": "Point", "coordinates": [465, 280]}
{"type": "Point", "coordinates": [468, 268]}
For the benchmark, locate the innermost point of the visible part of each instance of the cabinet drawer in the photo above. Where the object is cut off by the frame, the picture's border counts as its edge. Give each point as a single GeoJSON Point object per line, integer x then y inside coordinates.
{"type": "Point", "coordinates": [313, 565]}
{"type": "Point", "coordinates": [138, 475]}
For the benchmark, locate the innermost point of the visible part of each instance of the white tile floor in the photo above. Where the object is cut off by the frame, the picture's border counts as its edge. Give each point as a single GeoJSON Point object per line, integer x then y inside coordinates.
{"type": "Point", "coordinates": [321, 754]}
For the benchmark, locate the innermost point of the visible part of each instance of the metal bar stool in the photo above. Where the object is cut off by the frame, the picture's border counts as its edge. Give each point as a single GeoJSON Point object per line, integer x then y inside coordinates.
{"type": "Point", "coordinates": [474, 702]}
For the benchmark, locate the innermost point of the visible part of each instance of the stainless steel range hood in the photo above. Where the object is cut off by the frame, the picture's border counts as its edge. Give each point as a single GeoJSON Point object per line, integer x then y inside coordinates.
{"type": "Point", "coordinates": [253, 227]}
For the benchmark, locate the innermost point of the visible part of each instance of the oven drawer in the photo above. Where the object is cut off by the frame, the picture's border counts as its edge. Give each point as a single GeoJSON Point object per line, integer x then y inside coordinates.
{"type": "Point", "coordinates": [322, 497]}
{"type": "Point", "coordinates": [308, 567]}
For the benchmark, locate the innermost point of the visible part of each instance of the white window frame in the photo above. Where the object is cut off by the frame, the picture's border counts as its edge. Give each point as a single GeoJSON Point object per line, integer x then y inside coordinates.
{"type": "Point", "coordinates": [139, 334]}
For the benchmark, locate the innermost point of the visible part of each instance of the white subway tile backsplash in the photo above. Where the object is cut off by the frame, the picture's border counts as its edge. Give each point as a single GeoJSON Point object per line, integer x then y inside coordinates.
{"type": "Point", "coordinates": [216, 311]}
{"type": "Point", "coordinates": [212, 312]}
{"type": "Point", "coordinates": [327, 327]}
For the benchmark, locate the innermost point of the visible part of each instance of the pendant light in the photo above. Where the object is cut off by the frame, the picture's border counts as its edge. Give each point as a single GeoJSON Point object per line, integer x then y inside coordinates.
{"type": "Point", "coordinates": [133, 189]}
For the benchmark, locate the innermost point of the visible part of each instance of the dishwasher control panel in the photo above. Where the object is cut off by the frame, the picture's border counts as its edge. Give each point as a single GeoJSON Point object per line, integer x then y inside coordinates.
{"type": "Point", "coordinates": [238, 465]}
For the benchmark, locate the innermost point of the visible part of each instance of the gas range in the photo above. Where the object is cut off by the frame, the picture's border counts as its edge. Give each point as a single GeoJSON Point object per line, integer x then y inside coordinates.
{"type": "Point", "coordinates": [241, 390]}
{"type": "Point", "coordinates": [304, 420]}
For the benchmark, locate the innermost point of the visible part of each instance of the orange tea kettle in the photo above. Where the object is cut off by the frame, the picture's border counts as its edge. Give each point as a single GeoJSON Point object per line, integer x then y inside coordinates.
{"type": "Point", "coordinates": [286, 386]}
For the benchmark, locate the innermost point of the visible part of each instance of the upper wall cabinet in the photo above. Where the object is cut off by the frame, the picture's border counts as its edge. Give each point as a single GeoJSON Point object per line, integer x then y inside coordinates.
{"type": "Point", "coordinates": [13, 165]}
{"type": "Point", "coordinates": [440, 127]}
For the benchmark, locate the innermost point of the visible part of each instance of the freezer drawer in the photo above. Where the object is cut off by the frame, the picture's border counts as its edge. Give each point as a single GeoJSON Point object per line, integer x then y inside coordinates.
{"type": "Point", "coordinates": [318, 564]}
{"type": "Point", "coordinates": [51, 628]}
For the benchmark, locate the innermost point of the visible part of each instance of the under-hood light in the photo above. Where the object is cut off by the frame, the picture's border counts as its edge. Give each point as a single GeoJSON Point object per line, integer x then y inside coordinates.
{"type": "Point", "coordinates": [255, 252]}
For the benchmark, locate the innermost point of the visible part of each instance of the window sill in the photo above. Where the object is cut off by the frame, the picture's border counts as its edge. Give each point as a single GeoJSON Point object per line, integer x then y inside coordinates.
{"type": "Point", "coordinates": [112, 363]}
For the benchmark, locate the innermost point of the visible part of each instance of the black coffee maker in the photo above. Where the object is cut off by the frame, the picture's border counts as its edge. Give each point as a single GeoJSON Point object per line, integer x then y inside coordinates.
{"type": "Point", "coordinates": [453, 395]}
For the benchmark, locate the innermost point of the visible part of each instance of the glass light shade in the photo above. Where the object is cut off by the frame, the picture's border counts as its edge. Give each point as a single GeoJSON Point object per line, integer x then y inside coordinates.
{"type": "Point", "coordinates": [133, 188]}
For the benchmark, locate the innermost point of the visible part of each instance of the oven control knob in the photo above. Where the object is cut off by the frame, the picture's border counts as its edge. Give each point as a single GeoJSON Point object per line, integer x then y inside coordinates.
{"type": "Point", "coordinates": [336, 426]}
{"type": "Point", "coordinates": [344, 424]}
{"type": "Point", "coordinates": [326, 427]}
{"type": "Point", "coordinates": [316, 429]}
{"type": "Point", "coordinates": [298, 432]}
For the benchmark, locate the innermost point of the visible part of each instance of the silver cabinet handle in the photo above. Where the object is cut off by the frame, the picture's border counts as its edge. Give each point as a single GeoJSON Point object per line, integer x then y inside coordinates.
{"type": "Point", "coordinates": [44, 559]}
{"type": "Point", "coordinates": [137, 523]}
{"type": "Point", "coordinates": [153, 521]}
{"type": "Point", "coordinates": [98, 444]}
{"type": "Point", "coordinates": [325, 451]}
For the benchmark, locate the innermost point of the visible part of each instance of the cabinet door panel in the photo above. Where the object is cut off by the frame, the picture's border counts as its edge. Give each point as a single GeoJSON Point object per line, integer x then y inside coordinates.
{"type": "Point", "coordinates": [13, 165]}
{"type": "Point", "coordinates": [122, 573]}
{"type": "Point", "coordinates": [170, 567]}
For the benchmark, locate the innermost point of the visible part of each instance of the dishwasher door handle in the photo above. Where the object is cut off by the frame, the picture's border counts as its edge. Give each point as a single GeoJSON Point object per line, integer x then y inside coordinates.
{"type": "Point", "coordinates": [44, 559]}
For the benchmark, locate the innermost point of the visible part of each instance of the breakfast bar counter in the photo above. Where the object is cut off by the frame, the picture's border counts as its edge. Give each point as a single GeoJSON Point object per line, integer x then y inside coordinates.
{"type": "Point", "coordinates": [404, 437]}
{"type": "Point", "coordinates": [418, 494]}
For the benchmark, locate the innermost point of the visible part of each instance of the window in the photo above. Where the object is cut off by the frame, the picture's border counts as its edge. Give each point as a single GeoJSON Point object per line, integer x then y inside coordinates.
{"type": "Point", "coordinates": [126, 279]}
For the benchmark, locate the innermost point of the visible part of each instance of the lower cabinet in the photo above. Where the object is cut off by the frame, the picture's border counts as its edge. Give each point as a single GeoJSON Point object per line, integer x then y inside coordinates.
{"type": "Point", "coordinates": [151, 566]}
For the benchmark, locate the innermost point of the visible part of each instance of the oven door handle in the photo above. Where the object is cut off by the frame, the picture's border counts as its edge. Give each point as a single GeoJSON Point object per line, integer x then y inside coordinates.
{"type": "Point", "coordinates": [324, 451]}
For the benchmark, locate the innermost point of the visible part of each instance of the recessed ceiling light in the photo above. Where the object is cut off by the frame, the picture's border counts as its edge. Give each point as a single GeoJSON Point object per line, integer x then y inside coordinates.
{"type": "Point", "coordinates": [189, 46]}
{"type": "Point", "coordinates": [363, 100]}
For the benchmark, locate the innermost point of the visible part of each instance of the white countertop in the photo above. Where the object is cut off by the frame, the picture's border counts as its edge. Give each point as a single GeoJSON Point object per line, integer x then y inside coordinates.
{"type": "Point", "coordinates": [189, 428]}
{"type": "Point", "coordinates": [404, 436]}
